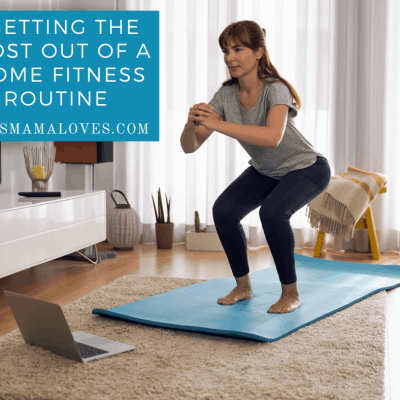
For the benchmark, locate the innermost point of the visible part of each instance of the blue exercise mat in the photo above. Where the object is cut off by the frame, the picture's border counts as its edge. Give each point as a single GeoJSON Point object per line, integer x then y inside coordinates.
{"type": "Point", "coordinates": [325, 287]}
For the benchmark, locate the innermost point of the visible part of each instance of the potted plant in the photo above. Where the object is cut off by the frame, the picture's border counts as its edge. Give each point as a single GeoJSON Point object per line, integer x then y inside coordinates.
{"type": "Point", "coordinates": [164, 230]}
{"type": "Point", "coordinates": [201, 239]}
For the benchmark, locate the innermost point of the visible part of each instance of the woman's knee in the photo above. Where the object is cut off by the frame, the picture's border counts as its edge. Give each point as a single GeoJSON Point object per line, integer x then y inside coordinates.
{"type": "Point", "coordinates": [224, 210]}
{"type": "Point", "coordinates": [268, 212]}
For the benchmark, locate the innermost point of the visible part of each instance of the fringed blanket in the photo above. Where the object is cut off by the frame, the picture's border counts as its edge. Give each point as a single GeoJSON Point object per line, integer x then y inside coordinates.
{"type": "Point", "coordinates": [337, 210]}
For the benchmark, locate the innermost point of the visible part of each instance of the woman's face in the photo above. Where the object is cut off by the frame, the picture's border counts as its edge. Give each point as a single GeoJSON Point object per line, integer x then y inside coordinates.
{"type": "Point", "coordinates": [240, 60]}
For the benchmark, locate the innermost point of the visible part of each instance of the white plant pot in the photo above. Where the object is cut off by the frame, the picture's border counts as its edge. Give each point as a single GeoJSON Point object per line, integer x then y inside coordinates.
{"type": "Point", "coordinates": [203, 241]}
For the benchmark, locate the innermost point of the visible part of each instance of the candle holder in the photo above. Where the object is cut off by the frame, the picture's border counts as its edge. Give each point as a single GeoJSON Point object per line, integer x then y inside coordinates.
{"type": "Point", "coordinates": [39, 162]}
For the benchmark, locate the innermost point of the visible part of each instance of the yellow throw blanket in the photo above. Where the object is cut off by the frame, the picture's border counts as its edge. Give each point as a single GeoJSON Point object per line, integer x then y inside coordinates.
{"type": "Point", "coordinates": [339, 207]}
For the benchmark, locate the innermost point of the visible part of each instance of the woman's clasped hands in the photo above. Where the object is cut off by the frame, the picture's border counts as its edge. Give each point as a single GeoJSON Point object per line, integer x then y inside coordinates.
{"type": "Point", "coordinates": [201, 114]}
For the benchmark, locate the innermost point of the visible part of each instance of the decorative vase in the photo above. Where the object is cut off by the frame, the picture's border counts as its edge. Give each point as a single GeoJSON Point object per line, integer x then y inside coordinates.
{"type": "Point", "coordinates": [123, 226]}
{"type": "Point", "coordinates": [39, 162]}
{"type": "Point", "coordinates": [165, 235]}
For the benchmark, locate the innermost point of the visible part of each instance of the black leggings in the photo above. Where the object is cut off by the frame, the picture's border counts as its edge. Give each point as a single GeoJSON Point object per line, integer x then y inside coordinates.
{"type": "Point", "coordinates": [279, 200]}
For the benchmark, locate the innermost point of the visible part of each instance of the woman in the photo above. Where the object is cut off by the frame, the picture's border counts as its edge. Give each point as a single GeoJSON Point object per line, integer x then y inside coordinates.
{"type": "Point", "coordinates": [255, 107]}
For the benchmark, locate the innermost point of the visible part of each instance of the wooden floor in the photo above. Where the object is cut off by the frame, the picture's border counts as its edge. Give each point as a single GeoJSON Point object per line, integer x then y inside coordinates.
{"type": "Point", "coordinates": [64, 281]}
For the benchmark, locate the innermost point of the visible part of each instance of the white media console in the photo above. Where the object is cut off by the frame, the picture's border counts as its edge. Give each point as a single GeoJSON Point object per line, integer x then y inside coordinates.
{"type": "Point", "coordinates": [37, 230]}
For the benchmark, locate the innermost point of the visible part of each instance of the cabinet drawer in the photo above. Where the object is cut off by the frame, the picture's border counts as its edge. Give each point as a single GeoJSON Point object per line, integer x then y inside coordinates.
{"type": "Point", "coordinates": [25, 252]}
{"type": "Point", "coordinates": [79, 236]}
{"type": "Point", "coordinates": [17, 224]}
{"type": "Point", "coordinates": [73, 211]}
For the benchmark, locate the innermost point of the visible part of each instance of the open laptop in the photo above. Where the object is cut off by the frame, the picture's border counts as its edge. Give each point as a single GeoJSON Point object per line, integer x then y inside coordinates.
{"type": "Point", "coordinates": [43, 324]}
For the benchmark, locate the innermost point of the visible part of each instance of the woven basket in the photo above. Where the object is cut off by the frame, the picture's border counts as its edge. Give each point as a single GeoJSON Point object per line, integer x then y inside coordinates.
{"type": "Point", "coordinates": [123, 225]}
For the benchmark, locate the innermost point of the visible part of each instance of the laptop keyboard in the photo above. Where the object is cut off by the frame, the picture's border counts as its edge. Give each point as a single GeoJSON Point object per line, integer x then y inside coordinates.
{"type": "Point", "coordinates": [87, 351]}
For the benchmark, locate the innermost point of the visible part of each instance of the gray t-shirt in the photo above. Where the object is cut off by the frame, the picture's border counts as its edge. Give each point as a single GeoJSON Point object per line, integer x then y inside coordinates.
{"type": "Point", "coordinates": [294, 151]}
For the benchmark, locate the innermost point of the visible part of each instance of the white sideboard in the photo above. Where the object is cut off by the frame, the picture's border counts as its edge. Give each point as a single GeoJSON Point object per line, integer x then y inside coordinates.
{"type": "Point", "coordinates": [37, 230]}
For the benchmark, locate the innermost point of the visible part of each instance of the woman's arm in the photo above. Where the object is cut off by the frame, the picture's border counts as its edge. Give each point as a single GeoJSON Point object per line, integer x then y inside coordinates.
{"type": "Point", "coordinates": [262, 136]}
{"type": "Point", "coordinates": [188, 140]}
{"type": "Point", "coordinates": [192, 139]}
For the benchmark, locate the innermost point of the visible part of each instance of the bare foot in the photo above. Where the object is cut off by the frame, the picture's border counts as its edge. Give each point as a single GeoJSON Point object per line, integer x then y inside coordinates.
{"type": "Point", "coordinates": [236, 295]}
{"type": "Point", "coordinates": [287, 303]}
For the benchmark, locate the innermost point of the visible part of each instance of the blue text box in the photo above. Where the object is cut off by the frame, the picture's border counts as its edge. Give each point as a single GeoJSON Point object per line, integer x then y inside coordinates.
{"type": "Point", "coordinates": [79, 76]}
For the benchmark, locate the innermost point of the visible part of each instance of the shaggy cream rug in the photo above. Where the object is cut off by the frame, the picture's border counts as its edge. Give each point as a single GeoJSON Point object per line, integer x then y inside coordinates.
{"type": "Point", "coordinates": [338, 357]}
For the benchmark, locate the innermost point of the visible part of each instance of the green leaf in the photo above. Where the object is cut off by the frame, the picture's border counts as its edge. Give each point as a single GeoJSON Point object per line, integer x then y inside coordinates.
{"type": "Point", "coordinates": [155, 210]}
{"type": "Point", "coordinates": [160, 206]}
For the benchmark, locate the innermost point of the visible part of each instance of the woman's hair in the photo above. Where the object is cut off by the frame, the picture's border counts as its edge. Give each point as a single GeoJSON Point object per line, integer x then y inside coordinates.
{"type": "Point", "coordinates": [251, 35]}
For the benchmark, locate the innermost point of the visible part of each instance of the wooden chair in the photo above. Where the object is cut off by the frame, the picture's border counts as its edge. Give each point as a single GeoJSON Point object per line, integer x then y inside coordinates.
{"type": "Point", "coordinates": [363, 223]}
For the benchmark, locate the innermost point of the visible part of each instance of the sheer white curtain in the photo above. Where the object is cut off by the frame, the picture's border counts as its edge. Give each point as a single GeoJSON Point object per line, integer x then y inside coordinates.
{"type": "Point", "coordinates": [342, 58]}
